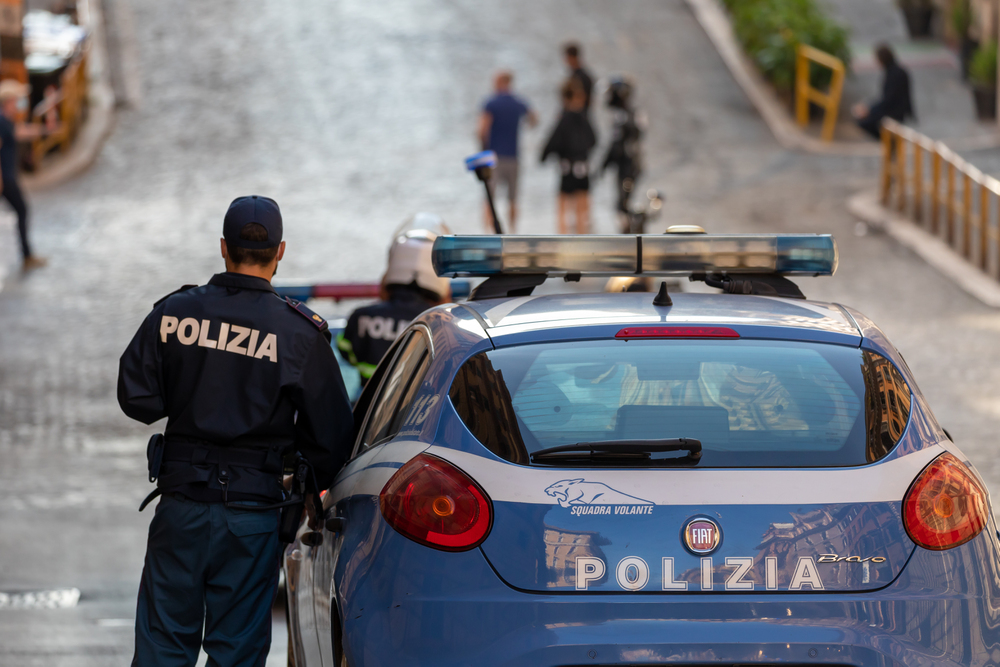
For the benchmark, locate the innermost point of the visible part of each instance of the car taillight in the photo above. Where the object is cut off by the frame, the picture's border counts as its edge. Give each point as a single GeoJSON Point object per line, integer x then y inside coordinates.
{"type": "Point", "coordinates": [945, 506]}
{"type": "Point", "coordinates": [432, 502]}
{"type": "Point", "coordinates": [677, 332]}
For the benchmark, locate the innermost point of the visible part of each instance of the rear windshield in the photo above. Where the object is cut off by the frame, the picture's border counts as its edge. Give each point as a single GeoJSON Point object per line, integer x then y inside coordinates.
{"type": "Point", "coordinates": [750, 403]}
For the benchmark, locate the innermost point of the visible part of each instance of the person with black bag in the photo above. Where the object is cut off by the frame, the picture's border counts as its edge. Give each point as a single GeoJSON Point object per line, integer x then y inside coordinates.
{"type": "Point", "coordinates": [249, 384]}
{"type": "Point", "coordinates": [571, 141]}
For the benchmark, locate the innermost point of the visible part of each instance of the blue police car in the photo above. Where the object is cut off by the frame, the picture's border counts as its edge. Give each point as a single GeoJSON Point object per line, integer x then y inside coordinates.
{"type": "Point", "coordinates": [738, 478]}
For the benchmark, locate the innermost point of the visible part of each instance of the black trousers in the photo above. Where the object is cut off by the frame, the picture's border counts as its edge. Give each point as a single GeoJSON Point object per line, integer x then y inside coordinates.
{"type": "Point", "coordinates": [12, 193]}
{"type": "Point", "coordinates": [872, 125]}
{"type": "Point", "coordinates": [210, 572]}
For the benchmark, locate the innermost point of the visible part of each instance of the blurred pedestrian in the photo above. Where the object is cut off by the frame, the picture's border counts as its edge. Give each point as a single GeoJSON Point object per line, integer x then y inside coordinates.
{"type": "Point", "coordinates": [896, 102]}
{"type": "Point", "coordinates": [571, 141]}
{"type": "Point", "coordinates": [624, 153]}
{"type": "Point", "coordinates": [573, 55]}
{"type": "Point", "coordinates": [13, 102]}
{"type": "Point", "coordinates": [498, 129]}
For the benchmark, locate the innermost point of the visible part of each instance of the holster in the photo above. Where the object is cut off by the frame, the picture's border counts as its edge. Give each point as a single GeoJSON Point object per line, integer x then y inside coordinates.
{"type": "Point", "coordinates": [288, 524]}
{"type": "Point", "coordinates": [154, 456]}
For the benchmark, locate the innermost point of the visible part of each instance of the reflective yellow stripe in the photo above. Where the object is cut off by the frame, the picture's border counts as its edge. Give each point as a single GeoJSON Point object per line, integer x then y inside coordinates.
{"type": "Point", "coordinates": [366, 370]}
{"type": "Point", "coordinates": [346, 349]}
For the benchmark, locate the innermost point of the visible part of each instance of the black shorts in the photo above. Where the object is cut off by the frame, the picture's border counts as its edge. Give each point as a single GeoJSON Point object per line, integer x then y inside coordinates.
{"type": "Point", "coordinates": [575, 177]}
{"type": "Point", "coordinates": [570, 184]}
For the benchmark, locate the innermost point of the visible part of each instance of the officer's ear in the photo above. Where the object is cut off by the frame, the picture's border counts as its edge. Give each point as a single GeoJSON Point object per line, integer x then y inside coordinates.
{"type": "Point", "coordinates": [281, 251]}
{"type": "Point", "coordinates": [225, 250]}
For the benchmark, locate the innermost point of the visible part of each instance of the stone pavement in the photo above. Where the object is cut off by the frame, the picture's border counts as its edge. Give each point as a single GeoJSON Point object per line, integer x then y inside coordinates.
{"type": "Point", "coordinates": [354, 116]}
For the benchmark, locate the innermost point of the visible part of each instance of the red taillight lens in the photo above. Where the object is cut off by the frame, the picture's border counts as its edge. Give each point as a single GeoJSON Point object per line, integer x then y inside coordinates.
{"type": "Point", "coordinates": [945, 506]}
{"type": "Point", "coordinates": [677, 332]}
{"type": "Point", "coordinates": [432, 502]}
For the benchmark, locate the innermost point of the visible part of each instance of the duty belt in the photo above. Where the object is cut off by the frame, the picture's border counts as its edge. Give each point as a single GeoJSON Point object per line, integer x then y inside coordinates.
{"type": "Point", "coordinates": [207, 460]}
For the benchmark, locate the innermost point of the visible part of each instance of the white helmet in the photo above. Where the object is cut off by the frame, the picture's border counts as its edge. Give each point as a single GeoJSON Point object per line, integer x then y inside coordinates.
{"type": "Point", "coordinates": [430, 222]}
{"type": "Point", "coordinates": [410, 261]}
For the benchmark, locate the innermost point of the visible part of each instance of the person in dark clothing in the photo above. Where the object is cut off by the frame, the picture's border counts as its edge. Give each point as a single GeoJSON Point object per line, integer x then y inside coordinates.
{"type": "Point", "coordinates": [410, 286]}
{"type": "Point", "coordinates": [578, 73]}
{"type": "Point", "coordinates": [571, 141]}
{"type": "Point", "coordinates": [896, 102]}
{"type": "Point", "coordinates": [244, 378]}
{"type": "Point", "coordinates": [13, 95]}
{"type": "Point", "coordinates": [624, 152]}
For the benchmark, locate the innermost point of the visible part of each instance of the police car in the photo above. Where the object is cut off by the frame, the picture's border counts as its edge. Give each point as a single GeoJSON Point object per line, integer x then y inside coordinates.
{"type": "Point", "coordinates": [738, 478]}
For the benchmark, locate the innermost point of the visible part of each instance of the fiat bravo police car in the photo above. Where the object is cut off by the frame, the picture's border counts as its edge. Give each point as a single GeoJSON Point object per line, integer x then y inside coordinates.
{"type": "Point", "coordinates": [746, 477]}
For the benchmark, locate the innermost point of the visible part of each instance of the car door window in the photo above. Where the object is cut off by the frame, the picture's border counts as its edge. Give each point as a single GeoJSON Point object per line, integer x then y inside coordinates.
{"type": "Point", "coordinates": [406, 402]}
{"type": "Point", "coordinates": [383, 423]}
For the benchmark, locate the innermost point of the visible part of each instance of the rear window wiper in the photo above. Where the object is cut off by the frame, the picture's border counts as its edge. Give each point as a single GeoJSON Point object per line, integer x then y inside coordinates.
{"type": "Point", "coordinates": [622, 451]}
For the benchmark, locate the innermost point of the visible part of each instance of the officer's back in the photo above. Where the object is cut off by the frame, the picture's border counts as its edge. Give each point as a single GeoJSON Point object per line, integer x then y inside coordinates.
{"type": "Point", "coordinates": [243, 378]}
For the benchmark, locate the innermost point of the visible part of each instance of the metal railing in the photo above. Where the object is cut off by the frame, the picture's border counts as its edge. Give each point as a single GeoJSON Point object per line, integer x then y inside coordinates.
{"type": "Point", "coordinates": [942, 193]}
{"type": "Point", "coordinates": [68, 105]}
{"type": "Point", "coordinates": [805, 93]}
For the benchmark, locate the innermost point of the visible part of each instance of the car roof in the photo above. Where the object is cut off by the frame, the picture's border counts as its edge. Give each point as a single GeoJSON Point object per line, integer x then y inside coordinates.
{"type": "Point", "coordinates": [533, 313]}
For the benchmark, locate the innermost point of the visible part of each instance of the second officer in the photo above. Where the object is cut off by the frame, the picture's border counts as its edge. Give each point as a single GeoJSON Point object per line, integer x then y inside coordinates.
{"type": "Point", "coordinates": [243, 378]}
{"type": "Point", "coordinates": [410, 286]}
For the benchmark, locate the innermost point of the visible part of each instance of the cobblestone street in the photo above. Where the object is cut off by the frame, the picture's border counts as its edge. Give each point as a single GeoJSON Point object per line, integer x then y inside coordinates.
{"type": "Point", "coordinates": [354, 115]}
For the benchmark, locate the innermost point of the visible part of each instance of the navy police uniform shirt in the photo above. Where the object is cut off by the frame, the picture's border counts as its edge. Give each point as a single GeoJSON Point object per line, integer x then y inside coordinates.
{"type": "Point", "coordinates": [371, 330]}
{"type": "Point", "coordinates": [8, 150]}
{"type": "Point", "coordinates": [233, 364]}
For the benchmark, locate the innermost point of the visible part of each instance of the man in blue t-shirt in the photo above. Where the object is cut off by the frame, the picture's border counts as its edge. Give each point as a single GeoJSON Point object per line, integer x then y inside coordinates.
{"type": "Point", "coordinates": [498, 125]}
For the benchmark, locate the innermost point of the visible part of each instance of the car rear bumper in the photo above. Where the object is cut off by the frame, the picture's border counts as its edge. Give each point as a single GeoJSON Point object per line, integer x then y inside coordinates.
{"type": "Point", "coordinates": [451, 609]}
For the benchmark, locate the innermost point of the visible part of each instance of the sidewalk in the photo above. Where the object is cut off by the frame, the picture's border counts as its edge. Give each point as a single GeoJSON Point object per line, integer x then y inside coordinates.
{"type": "Point", "coordinates": [943, 101]}
{"type": "Point", "coordinates": [85, 148]}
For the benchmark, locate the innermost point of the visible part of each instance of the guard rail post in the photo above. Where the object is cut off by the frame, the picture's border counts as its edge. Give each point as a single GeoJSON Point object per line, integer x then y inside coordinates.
{"type": "Point", "coordinates": [70, 103]}
{"type": "Point", "coordinates": [969, 228]}
{"type": "Point", "coordinates": [805, 93]}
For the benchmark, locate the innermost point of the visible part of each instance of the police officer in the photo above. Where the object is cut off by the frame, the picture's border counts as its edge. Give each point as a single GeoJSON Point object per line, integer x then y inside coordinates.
{"type": "Point", "coordinates": [243, 377]}
{"type": "Point", "coordinates": [410, 286]}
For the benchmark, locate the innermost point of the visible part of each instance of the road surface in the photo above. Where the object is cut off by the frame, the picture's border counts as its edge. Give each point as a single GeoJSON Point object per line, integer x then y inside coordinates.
{"type": "Point", "coordinates": [354, 115]}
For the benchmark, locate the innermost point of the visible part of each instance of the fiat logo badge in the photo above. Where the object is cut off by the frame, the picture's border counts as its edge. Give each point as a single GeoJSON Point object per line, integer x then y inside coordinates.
{"type": "Point", "coordinates": [702, 536]}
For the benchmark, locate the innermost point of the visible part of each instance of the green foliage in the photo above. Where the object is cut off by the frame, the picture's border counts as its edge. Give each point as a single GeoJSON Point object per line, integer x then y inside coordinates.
{"type": "Point", "coordinates": [961, 18]}
{"type": "Point", "coordinates": [771, 31]}
{"type": "Point", "coordinates": [983, 66]}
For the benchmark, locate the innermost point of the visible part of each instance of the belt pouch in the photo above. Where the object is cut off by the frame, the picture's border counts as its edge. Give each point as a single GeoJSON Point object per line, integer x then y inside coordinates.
{"type": "Point", "coordinates": [154, 456]}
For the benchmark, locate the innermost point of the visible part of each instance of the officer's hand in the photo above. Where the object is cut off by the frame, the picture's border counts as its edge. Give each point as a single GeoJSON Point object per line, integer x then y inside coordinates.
{"type": "Point", "coordinates": [314, 521]}
{"type": "Point", "coordinates": [287, 482]}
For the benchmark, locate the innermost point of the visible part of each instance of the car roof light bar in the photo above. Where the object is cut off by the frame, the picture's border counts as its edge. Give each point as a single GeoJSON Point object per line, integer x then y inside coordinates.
{"type": "Point", "coordinates": [640, 254]}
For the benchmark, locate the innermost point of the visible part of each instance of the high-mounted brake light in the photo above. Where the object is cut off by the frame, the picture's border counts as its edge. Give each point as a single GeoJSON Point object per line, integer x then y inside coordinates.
{"type": "Point", "coordinates": [945, 506]}
{"type": "Point", "coordinates": [643, 254]}
{"type": "Point", "coordinates": [434, 503]}
{"type": "Point", "coordinates": [677, 332]}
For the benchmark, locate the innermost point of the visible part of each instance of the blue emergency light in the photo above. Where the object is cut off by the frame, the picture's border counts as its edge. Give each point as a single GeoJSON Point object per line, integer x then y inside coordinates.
{"type": "Point", "coordinates": [639, 254]}
{"type": "Point", "coordinates": [483, 159]}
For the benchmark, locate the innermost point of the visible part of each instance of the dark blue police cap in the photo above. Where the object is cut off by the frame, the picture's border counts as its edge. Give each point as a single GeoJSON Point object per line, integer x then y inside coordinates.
{"type": "Point", "coordinates": [262, 210]}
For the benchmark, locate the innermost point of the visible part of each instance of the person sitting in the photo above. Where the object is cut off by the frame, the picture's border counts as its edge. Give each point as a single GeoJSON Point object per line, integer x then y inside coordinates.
{"type": "Point", "coordinates": [896, 102]}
